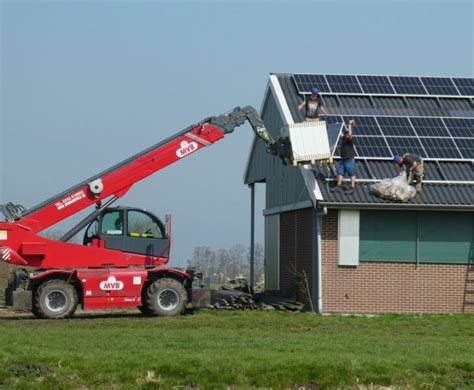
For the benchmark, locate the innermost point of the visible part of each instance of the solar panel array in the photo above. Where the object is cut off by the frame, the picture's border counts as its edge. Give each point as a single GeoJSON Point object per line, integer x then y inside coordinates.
{"type": "Point", "coordinates": [434, 138]}
{"type": "Point", "coordinates": [385, 85]}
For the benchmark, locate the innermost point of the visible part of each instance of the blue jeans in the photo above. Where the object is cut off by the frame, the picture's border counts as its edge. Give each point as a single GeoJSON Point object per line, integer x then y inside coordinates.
{"type": "Point", "coordinates": [348, 166]}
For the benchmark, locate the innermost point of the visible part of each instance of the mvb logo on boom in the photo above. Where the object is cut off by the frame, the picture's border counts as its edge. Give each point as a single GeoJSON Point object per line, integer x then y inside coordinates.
{"type": "Point", "coordinates": [186, 148]}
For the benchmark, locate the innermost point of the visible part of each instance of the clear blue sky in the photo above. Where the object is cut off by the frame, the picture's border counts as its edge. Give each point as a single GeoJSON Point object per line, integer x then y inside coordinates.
{"type": "Point", "coordinates": [86, 84]}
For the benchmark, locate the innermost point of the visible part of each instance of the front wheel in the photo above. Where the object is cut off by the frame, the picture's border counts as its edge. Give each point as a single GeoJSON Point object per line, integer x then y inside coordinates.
{"type": "Point", "coordinates": [55, 299]}
{"type": "Point", "coordinates": [165, 297]}
{"type": "Point", "coordinates": [144, 310]}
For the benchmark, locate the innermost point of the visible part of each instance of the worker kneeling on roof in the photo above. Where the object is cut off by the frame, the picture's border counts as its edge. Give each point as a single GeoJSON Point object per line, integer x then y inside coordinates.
{"type": "Point", "coordinates": [412, 163]}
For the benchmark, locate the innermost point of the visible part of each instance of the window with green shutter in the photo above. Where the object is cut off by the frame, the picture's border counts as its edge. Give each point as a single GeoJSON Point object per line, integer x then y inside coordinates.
{"type": "Point", "coordinates": [416, 236]}
{"type": "Point", "coordinates": [445, 237]}
{"type": "Point", "coordinates": [387, 235]}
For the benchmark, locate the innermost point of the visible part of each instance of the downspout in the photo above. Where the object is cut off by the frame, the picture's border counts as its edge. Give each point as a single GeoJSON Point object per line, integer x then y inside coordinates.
{"type": "Point", "coordinates": [317, 287]}
{"type": "Point", "coordinates": [320, 260]}
{"type": "Point", "coordinates": [417, 239]}
{"type": "Point", "coordinates": [252, 235]}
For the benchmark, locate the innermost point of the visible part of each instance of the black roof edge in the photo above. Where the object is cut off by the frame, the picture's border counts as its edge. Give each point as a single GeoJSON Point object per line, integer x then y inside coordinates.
{"type": "Point", "coordinates": [396, 206]}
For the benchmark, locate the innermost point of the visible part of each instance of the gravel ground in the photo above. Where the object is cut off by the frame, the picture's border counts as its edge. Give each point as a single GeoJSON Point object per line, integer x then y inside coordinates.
{"type": "Point", "coordinates": [10, 314]}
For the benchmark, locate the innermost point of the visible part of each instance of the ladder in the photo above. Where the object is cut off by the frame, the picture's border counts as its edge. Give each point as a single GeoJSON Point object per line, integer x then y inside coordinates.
{"type": "Point", "coordinates": [468, 301]}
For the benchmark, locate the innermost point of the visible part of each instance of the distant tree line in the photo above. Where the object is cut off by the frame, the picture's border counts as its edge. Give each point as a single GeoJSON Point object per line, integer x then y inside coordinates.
{"type": "Point", "coordinates": [224, 264]}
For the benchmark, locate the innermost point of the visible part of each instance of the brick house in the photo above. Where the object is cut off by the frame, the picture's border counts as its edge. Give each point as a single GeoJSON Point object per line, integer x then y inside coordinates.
{"type": "Point", "coordinates": [358, 253]}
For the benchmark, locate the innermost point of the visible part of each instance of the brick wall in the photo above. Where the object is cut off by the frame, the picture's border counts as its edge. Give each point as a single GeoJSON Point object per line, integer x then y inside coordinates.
{"type": "Point", "coordinates": [388, 287]}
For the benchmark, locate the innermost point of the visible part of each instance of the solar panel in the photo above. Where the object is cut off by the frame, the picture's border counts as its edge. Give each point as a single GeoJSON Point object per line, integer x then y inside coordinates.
{"type": "Point", "coordinates": [382, 137]}
{"type": "Point", "coordinates": [305, 82]}
{"type": "Point", "coordinates": [465, 146]}
{"type": "Point", "coordinates": [333, 131]}
{"type": "Point", "coordinates": [364, 125]}
{"type": "Point", "coordinates": [407, 85]}
{"type": "Point", "coordinates": [396, 126]}
{"type": "Point", "coordinates": [330, 119]}
{"type": "Point", "coordinates": [368, 146]}
{"type": "Point", "coordinates": [460, 127]}
{"type": "Point", "coordinates": [386, 85]}
{"type": "Point", "coordinates": [440, 148]}
{"type": "Point", "coordinates": [465, 86]}
{"type": "Point", "coordinates": [404, 145]}
{"type": "Point", "coordinates": [343, 84]}
{"type": "Point", "coordinates": [429, 127]}
{"type": "Point", "coordinates": [439, 86]}
{"type": "Point", "coordinates": [376, 84]}
{"type": "Point", "coordinates": [433, 136]}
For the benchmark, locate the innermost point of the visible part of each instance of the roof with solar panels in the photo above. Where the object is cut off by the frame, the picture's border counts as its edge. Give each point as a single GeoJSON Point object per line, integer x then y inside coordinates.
{"type": "Point", "coordinates": [430, 116]}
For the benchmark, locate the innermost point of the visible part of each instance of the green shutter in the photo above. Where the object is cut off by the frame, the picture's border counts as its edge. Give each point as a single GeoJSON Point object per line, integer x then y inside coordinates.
{"type": "Point", "coordinates": [445, 237]}
{"type": "Point", "coordinates": [387, 235]}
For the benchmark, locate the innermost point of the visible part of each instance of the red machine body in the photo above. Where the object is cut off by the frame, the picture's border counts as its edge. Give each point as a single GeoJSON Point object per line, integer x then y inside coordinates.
{"type": "Point", "coordinates": [110, 288]}
{"type": "Point", "coordinates": [117, 265]}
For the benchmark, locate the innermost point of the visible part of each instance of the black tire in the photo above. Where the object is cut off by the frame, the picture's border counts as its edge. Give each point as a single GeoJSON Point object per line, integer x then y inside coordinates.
{"type": "Point", "coordinates": [165, 297]}
{"type": "Point", "coordinates": [55, 299]}
{"type": "Point", "coordinates": [144, 310]}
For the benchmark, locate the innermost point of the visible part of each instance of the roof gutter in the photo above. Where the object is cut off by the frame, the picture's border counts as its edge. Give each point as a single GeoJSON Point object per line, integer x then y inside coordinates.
{"type": "Point", "coordinates": [463, 182]}
{"type": "Point", "coordinates": [386, 206]}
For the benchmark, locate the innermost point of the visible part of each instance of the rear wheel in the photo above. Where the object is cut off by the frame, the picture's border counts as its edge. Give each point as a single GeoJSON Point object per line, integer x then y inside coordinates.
{"type": "Point", "coordinates": [55, 299]}
{"type": "Point", "coordinates": [165, 297]}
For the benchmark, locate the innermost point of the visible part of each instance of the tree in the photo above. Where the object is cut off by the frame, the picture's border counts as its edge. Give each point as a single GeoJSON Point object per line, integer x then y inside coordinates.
{"type": "Point", "coordinates": [237, 261]}
{"type": "Point", "coordinates": [231, 263]}
{"type": "Point", "coordinates": [259, 263]}
{"type": "Point", "coordinates": [223, 265]}
{"type": "Point", "coordinates": [204, 258]}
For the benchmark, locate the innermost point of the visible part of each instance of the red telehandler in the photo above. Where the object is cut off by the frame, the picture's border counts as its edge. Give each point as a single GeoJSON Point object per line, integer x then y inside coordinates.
{"type": "Point", "coordinates": [121, 261]}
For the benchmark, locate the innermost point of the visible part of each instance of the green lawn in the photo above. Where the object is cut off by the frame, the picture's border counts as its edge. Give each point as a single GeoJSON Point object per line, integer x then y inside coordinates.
{"type": "Point", "coordinates": [239, 350]}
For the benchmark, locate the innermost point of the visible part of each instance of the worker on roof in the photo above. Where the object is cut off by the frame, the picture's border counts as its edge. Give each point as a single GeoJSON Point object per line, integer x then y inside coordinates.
{"type": "Point", "coordinates": [347, 163]}
{"type": "Point", "coordinates": [413, 165]}
{"type": "Point", "coordinates": [313, 105]}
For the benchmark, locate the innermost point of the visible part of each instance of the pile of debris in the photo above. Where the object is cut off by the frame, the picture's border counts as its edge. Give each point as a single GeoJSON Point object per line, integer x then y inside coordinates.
{"type": "Point", "coordinates": [397, 189]}
{"type": "Point", "coordinates": [228, 298]}
{"type": "Point", "coordinates": [232, 299]}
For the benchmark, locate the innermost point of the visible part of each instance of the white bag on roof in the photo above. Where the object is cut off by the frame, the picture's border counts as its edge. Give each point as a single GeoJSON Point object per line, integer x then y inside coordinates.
{"type": "Point", "coordinates": [394, 189]}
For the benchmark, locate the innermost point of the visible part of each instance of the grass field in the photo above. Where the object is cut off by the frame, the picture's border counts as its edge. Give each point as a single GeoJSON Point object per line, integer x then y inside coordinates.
{"type": "Point", "coordinates": [239, 350]}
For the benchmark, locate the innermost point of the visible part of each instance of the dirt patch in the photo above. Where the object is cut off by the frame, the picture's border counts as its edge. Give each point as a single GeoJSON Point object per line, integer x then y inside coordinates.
{"type": "Point", "coordinates": [7, 314]}
{"type": "Point", "coordinates": [16, 374]}
{"type": "Point", "coordinates": [34, 369]}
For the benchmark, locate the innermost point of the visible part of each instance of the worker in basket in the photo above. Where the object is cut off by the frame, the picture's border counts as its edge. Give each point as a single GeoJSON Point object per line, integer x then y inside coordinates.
{"type": "Point", "coordinates": [413, 165]}
{"type": "Point", "coordinates": [313, 106]}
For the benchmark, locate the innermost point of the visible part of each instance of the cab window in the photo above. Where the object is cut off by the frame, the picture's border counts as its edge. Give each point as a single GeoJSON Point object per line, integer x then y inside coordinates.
{"type": "Point", "coordinates": [112, 223]}
{"type": "Point", "coordinates": [143, 225]}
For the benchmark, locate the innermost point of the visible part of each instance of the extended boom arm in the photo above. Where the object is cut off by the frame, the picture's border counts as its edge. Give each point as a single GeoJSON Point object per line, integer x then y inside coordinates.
{"type": "Point", "coordinates": [115, 182]}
